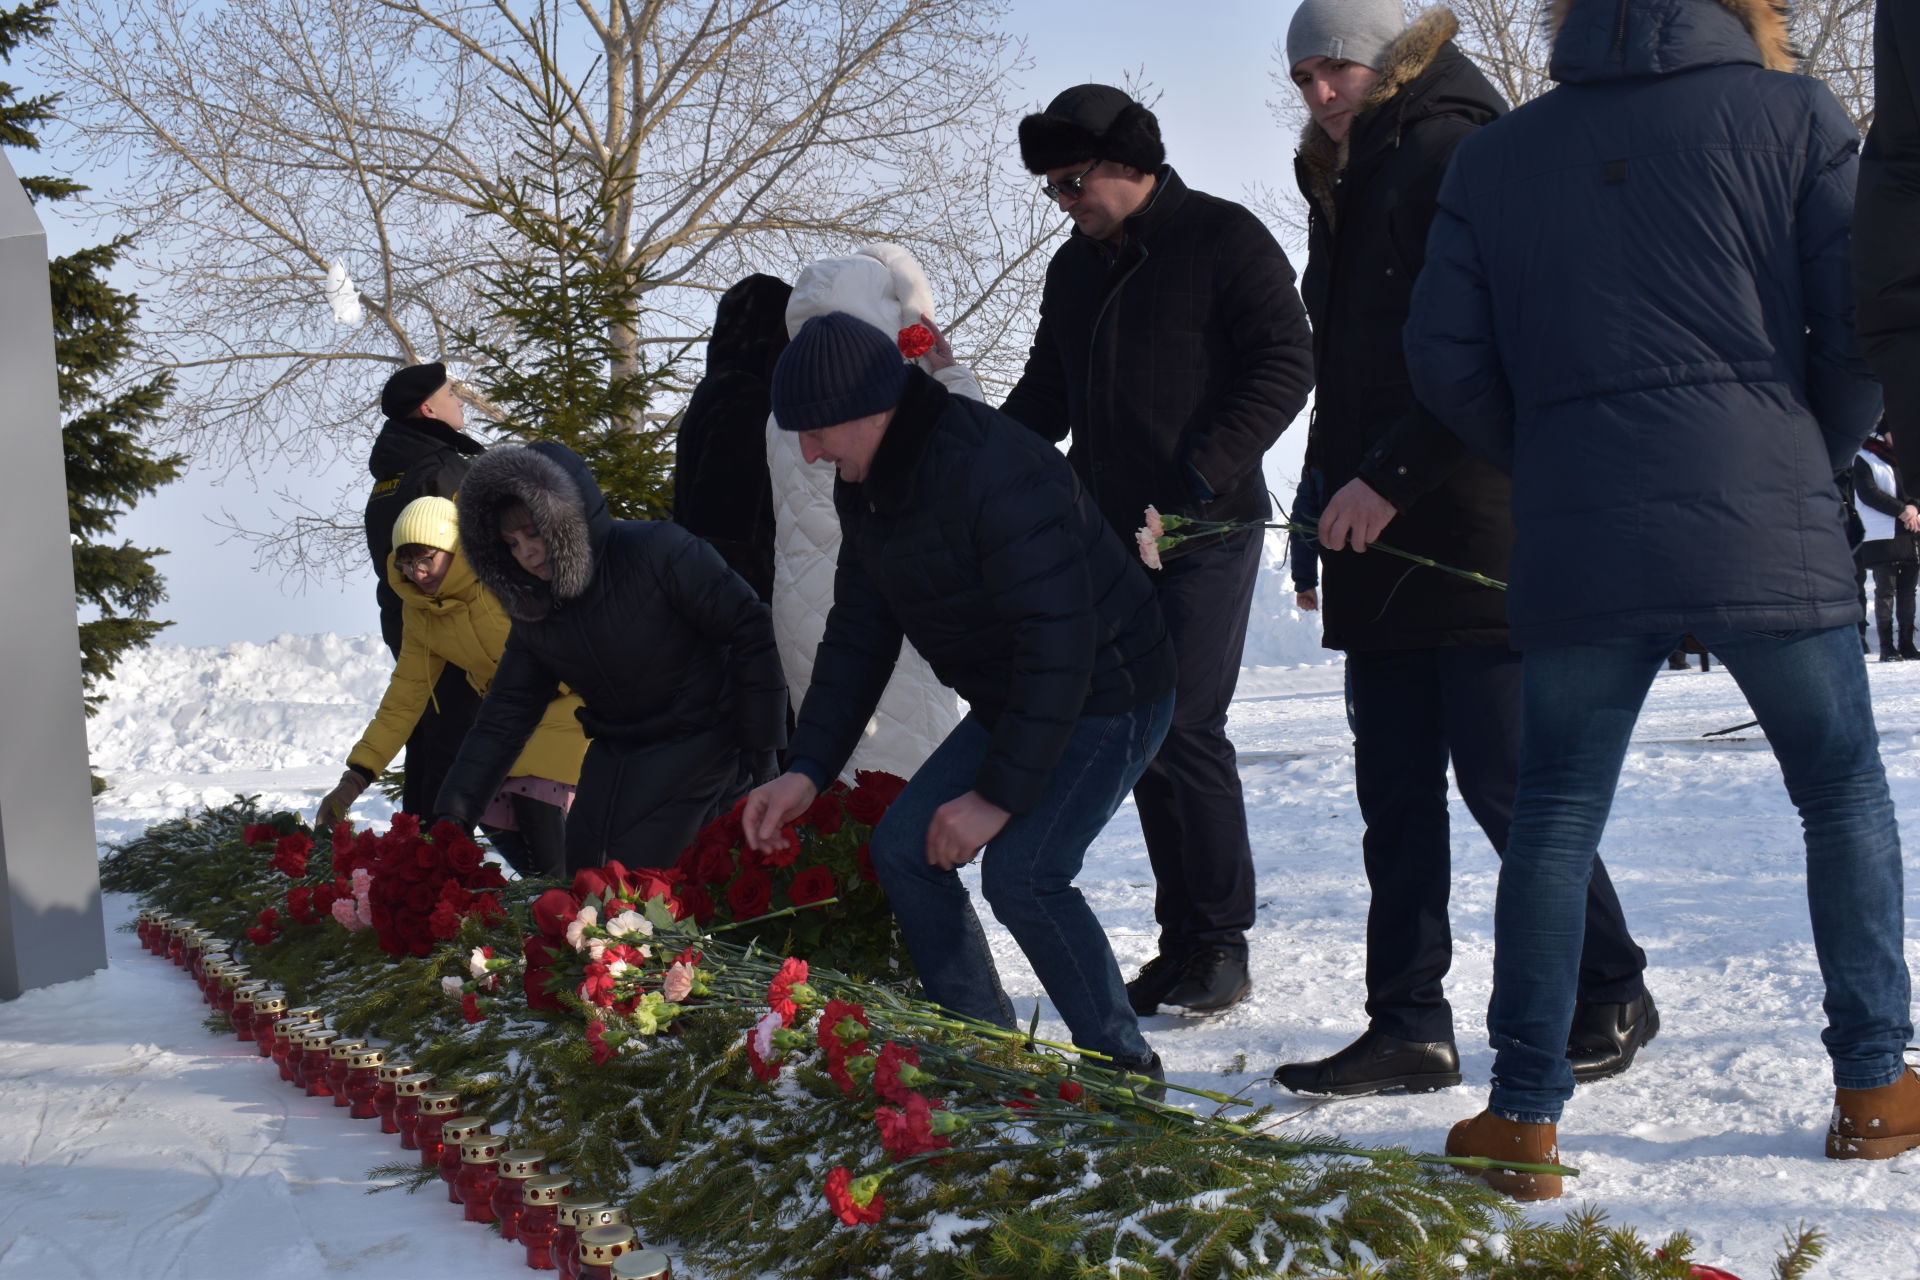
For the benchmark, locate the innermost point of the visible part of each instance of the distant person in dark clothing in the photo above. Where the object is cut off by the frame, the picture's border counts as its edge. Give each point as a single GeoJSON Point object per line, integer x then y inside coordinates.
{"type": "Point", "coordinates": [1888, 520]}
{"type": "Point", "coordinates": [721, 489]}
{"type": "Point", "coordinates": [422, 451]}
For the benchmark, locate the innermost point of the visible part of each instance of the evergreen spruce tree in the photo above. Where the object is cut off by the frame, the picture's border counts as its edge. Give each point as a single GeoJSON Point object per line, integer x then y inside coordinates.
{"type": "Point", "coordinates": [555, 364]}
{"type": "Point", "coordinates": [109, 466]}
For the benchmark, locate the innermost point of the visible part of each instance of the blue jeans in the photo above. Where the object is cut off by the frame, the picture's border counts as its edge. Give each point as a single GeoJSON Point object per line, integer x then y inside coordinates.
{"type": "Point", "coordinates": [1809, 691]}
{"type": "Point", "coordinates": [1026, 873]}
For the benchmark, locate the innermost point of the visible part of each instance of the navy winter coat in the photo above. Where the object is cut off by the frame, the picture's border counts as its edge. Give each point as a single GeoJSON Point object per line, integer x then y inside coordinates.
{"type": "Point", "coordinates": [973, 538]}
{"type": "Point", "coordinates": [1636, 299]}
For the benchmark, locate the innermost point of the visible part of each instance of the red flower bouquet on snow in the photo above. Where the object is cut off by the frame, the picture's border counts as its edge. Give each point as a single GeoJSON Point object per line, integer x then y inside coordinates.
{"type": "Point", "coordinates": [417, 888]}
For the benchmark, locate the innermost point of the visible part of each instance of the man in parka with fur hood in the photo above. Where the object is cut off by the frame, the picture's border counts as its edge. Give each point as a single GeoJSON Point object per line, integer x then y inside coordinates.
{"type": "Point", "coordinates": [1173, 349]}
{"type": "Point", "coordinates": [1637, 300]}
{"type": "Point", "coordinates": [1431, 680]}
{"type": "Point", "coordinates": [670, 652]}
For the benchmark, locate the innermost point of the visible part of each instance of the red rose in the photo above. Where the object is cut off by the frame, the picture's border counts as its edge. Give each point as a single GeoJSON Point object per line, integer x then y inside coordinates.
{"type": "Point", "coordinates": [713, 862]}
{"type": "Point", "coordinates": [748, 896]}
{"type": "Point", "coordinates": [454, 896]}
{"type": "Point", "coordinates": [864, 807]}
{"type": "Point", "coordinates": [589, 883]}
{"type": "Point", "coordinates": [420, 899]}
{"type": "Point", "coordinates": [783, 854]}
{"type": "Point", "coordinates": [875, 793]}
{"type": "Point", "coordinates": [487, 877]}
{"type": "Point", "coordinates": [470, 1008]}
{"type": "Point", "coordinates": [824, 814]}
{"type": "Point", "coordinates": [430, 857]}
{"type": "Point", "coordinates": [421, 948]}
{"type": "Point", "coordinates": [553, 911]}
{"type": "Point", "coordinates": [915, 341]}
{"type": "Point", "coordinates": [464, 857]}
{"type": "Point", "coordinates": [811, 886]}
{"type": "Point", "coordinates": [259, 833]}
{"type": "Point", "coordinates": [698, 903]}
{"type": "Point", "coordinates": [446, 832]}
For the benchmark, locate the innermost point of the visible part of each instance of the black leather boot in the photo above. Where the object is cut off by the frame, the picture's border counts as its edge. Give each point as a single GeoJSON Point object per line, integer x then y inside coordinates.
{"type": "Point", "coordinates": [1155, 979]}
{"type": "Point", "coordinates": [1605, 1037]}
{"type": "Point", "coordinates": [1375, 1063]}
{"type": "Point", "coordinates": [1210, 982]}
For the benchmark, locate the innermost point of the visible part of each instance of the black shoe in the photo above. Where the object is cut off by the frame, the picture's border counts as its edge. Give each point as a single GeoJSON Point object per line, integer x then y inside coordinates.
{"type": "Point", "coordinates": [1892, 655]}
{"type": "Point", "coordinates": [1605, 1037]}
{"type": "Point", "coordinates": [1908, 653]}
{"type": "Point", "coordinates": [1155, 979]}
{"type": "Point", "coordinates": [1211, 981]}
{"type": "Point", "coordinates": [1153, 1070]}
{"type": "Point", "coordinates": [1677, 661]}
{"type": "Point", "coordinates": [1375, 1063]}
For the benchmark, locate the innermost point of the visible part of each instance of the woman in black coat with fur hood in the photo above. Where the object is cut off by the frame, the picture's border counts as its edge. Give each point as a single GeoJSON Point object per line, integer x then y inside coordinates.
{"type": "Point", "coordinates": [669, 649]}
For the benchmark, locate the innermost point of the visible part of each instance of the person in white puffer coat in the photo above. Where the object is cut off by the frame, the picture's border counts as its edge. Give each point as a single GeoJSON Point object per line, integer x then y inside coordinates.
{"type": "Point", "coordinates": [883, 285]}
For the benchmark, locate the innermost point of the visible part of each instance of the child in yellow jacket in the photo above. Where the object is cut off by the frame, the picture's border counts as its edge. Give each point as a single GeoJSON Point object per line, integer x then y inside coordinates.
{"type": "Point", "coordinates": [448, 616]}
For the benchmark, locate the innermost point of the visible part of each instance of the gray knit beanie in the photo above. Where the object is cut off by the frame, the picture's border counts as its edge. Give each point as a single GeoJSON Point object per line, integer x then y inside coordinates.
{"type": "Point", "coordinates": [1345, 30]}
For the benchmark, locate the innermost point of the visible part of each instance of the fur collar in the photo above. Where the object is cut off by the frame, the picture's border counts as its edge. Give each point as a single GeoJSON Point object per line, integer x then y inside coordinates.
{"type": "Point", "coordinates": [539, 476]}
{"type": "Point", "coordinates": [1765, 21]}
{"type": "Point", "coordinates": [1320, 157]}
{"type": "Point", "coordinates": [889, 485]}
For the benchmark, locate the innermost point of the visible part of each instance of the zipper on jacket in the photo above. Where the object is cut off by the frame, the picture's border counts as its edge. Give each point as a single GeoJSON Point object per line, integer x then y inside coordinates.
{"type": "Point", "coordinates": [1619, 52]}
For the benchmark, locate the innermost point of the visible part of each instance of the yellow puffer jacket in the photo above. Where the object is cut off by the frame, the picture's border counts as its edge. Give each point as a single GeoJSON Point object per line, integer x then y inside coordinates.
{"type": "Point", "coordinates": [465, 625]}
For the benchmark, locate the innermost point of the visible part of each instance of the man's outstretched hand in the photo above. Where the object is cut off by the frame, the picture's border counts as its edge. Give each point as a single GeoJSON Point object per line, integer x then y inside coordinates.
{"type": "Point", "coordinates": [772, 807]}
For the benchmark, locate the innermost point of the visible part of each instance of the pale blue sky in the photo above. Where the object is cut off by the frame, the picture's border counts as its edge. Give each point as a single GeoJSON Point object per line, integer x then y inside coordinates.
{"type": "Point", "coordinates": [1209, 63]}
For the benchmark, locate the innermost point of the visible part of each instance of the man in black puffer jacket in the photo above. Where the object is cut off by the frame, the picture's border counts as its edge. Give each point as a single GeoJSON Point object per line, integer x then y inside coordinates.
{"type": "Point", "coordinates": [422, 451]}
{"type": "Point", "coordinates": [971, 538]}
{"type": "Point", "coordinates": [1173, 349]}
{"type": "Point", "coordinates": [669, 649]}
{"type": "Point", "coordinates": [1886, 225]}
{"type": "Point", "coordinates": [1431, 680]}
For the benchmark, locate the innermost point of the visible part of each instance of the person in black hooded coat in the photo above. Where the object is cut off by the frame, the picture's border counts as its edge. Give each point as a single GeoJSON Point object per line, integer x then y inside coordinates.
{"type": "Point", "coordinates": [422, 451]}
{"type": "Point", "coordinates": [1431, 680]}
{"type": "Point", "coordinates": [669, 650]}
{"type": "Point", "coordinates": [1886, 226]}
{"type": "Point", "coordinates": [721, 489]}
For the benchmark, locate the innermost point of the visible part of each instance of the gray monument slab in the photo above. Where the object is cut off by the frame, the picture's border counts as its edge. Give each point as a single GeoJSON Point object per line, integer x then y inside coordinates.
{"type": "Point", "coordinates": [50, 925]}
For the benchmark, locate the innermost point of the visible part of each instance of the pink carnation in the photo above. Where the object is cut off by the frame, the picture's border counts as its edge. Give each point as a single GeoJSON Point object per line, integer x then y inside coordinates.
{"type": "Point", "coordinates": [344, 912]}
{"type": "Point", "coordinates": [1149, 548]}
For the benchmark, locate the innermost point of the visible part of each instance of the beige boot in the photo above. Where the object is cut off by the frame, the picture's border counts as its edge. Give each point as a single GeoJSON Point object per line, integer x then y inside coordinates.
{"type": "Point", "coordinates": [1875, 1124]}
{"type": "Point", "coordinates": [1488, 1135]}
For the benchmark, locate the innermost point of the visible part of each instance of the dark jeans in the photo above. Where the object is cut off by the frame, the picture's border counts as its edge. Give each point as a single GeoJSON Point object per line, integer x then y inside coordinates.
{"type": "Point", "coordinates": [1412, 711]}
{"type": "Point", "coordinates": [1026, 874]}
{"type": "Point", "coordinates": [539, 846]}
{"type": "Point", "coordinates": [1191, 810]}
{"type": "Point", "coordinates": [1809, 691]}
{"type": "Point", "coordinates": [436, 740]}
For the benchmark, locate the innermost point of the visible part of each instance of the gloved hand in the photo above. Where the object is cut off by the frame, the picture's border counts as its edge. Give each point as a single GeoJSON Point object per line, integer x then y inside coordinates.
{"type": "Point", "coordinates": [341, 798]}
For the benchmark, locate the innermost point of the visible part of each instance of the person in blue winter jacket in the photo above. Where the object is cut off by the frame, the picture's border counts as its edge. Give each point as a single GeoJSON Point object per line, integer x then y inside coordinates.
{"type": "Point", "coordinates": [1637, 300]}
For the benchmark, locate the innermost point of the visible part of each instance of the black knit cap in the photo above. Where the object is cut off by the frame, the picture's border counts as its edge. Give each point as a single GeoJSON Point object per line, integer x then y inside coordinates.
{"type": "Point", "coordinates": [1092, 122]}
{"type": "Point", "coordinates": [408, 389]}
{"type": "Point", "coordinates": [836, 369]}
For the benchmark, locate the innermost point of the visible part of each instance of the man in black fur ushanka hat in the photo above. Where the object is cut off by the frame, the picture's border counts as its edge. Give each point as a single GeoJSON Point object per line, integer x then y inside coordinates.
{"type": "Point", "coordinates": [1173, 349]}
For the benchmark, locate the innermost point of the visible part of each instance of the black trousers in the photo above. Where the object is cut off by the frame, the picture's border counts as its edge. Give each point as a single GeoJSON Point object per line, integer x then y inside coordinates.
{"type": "Point", "coordinates": [643, 803]}
{"type": "Point", "coordinates": [1191, 810]}
{"type": "Point", "coordinates": [539, 846]}
{"type": "Point", "coordinates": [1893, 596]}
{"type": "Point", "coordinates": [1412, 711]}
{"type": "Point", "coordinates": [436, 741]}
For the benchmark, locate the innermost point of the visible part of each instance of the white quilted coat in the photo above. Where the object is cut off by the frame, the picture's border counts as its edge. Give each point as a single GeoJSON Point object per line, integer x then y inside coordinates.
{"type": "Point", "coordinates": [883, 285]}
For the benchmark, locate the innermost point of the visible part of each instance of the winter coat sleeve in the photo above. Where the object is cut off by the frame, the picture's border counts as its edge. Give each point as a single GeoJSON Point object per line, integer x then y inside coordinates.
{"type": "Point", "coordinates": [1036, 575]}
{"type": "Point", "coordinates": [1840, 388]}
{"type": "Point", "coordinates": [851, 668]}
{"type": "Point", "coordinates": [1273, 349]}
{"type": "Point", "coordinates": [521, 690]}
{"type": "Point", "coordinates": [720, 607]}
{"type": "Point", "coordinates": [1038, 401]}
{"type": "Point", "coordinates": [1885, 245]}
{"type": "Point", "coordinates": [409, 690]}
{"type": "Point", "coordinates": [1453, 359]}
{"type": "Point", "coordinates": [1309, 501]}
{"type": "Point", "coordinates": [1868, 492]}
{"type": "Point", "coordinates": [959, 379]}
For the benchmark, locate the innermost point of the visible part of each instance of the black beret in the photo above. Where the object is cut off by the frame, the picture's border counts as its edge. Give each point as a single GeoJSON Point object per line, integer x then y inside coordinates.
{"type": "Point", "coordinates": [406, 390]}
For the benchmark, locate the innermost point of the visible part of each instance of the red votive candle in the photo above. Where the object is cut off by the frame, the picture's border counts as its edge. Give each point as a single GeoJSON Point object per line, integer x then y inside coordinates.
{"type": "Point", "coordinates": [337, 1054]}
{"type": "Point", "coordinates": [510, 1188]}
{"type": "Point", "coordinates": [599, 1246]}
{"type": "Point", "coordinates": [313, 1061]}
{"type": "Point", "coordinates": [540, 1217]}
{"type": "Point", "coordinates": [406, 1107]}
{"type": "Point", "coordinates": [437, 1106]}
{"type": "Point", "coordinates": [454, 1131]}
{"type": "Point", "coordinates": [363, 1068]}
{"type": "Point", "coordinates": [384, 1097]}
{"type": "Point", "coordinates": [479, 1170]}
{"type": "Point", "coordinates": [268, 1008]}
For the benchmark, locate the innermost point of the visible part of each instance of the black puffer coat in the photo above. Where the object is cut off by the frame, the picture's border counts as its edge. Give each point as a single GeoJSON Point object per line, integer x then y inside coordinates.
{"type": "Point", "coordinates": [1370, 203]}
{"type": "Point", "coordinates": [668, 649]}
{"type": "Point", "coordinates": [412, 458]}
{"type": "Point", "coordinates": [721, 489]}
{"type": "Point", "coordinates": [1886, 225]}
{"type": "Point", "coordinates": [1174, 364]}
{"type": "Point", "coordinates": [973, 539]}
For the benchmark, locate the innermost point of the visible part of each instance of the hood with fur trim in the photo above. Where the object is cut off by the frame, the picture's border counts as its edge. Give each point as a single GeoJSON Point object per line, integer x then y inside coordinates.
{"type": "Point", "coordinates": [1408, 58]}
{"type": "Point", "coordinates": [568, 511]}
{"type": "Point", "coordinates": [1598, 40]}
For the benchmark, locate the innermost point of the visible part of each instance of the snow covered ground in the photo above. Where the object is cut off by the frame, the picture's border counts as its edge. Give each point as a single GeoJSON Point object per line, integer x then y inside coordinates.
{"type": "Point", "coordinates": [139, 1145]}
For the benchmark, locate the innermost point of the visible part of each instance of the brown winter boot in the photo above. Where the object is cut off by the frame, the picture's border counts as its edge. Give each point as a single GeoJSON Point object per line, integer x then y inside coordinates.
{"type": "Point", "coordinates": [1488, 1135]}
{"type": "Point", "coordinates": [1875, 1124]}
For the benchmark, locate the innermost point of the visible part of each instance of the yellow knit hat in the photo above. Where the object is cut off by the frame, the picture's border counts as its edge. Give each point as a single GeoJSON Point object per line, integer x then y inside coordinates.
{"type": "Point", "coordinates": [428, 522]}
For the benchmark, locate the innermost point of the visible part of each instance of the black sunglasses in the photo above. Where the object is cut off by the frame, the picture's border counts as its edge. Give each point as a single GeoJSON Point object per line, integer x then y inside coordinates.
{"type": "Point", "coordinates": [1069, 187]}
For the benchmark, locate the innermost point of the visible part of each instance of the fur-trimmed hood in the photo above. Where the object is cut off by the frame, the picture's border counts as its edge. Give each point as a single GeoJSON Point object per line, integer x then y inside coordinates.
{"type": "Point", "coordinates": [1596, 40]}
{"type": "Point", "coordinates": [568, 510]}
{"type": "Point", "coordinates": [1423, 46]}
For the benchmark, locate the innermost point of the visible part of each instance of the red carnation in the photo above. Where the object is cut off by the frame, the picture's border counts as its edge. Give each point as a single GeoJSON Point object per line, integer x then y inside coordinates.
{"type": "Point", "coordinates": [290, 854]}
{"type": "Point", "coordinates": [838, 1050]}
{"type": "Point", "coordinates": [824, 814]}
{"type": "Point", "coordinates": [909, 1132]}
{"type": "Point", "coordinates": [886, 1072]}
{"type": "Point", "coordinates": [539, 972]}
{"type": "Point", "coordinates": [300, 904]}
{"type": "Point", "coordinates": [430, 858]}
{"type": "Point", "coordinates": [815, 884]}
{"type": "Point", "coordinates": [470, 1008]}
{"type": "Point", "coordinates": [883, 786]}
{"type": "Point", "coordinates": [1070, 1091]}
{"type": "Point", "coordinates": [597, 1043]}
{"type": "Point", "coordinates": [762, 1068]}
{"type": "Point", "coordinates": [915, 341]}
{"type": "Point", "coordinates": [443, 921]}
{"type": "Point", "coordinates": [792, 973]}
{"type": "Point", "coordinates": [840, 1200]}
{"type": "Point", "coordinates": [323, 900]}
{"type": "Point", "coordinates": [749, 895]}
{"type": "Point", "coordinates": [487, 907]}
{"type": "Point", "coordinates": [405, 826]}
{"type": "Point", "coordinates": [487, 877]}
{"type": "Point", "coordinates": [259, 833]}
{"type": "Point", "coordinates": [783, 854]}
